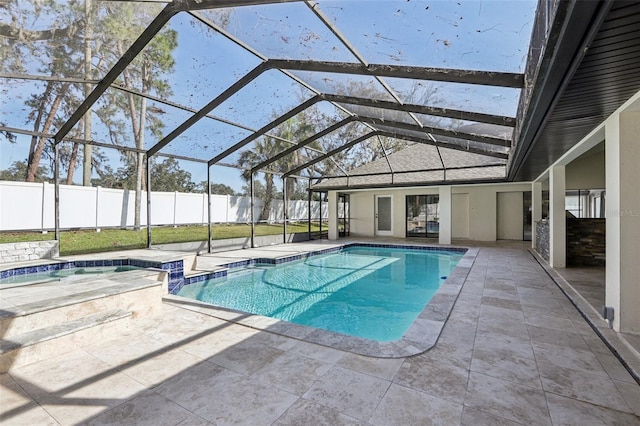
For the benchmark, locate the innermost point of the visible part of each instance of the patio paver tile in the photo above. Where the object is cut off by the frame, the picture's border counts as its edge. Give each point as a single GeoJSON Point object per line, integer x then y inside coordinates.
{"type": "Point", "coordinates": [245, 401]}
{"type": "Point", "coordinates": [305, 412]}
{"type": "Point", "coordinates": [246, 357]}
{"type": "Point", "coordinates": [18, 408]}
{"type": "Point", "coordinates": [502, 364]}
{"type": "Point", "coordinates": [516, 402]}
{"type": "Point", "coordinates": [352, 393]}
{"type": "Point", "coordinates": [292, 372]}
{"type": "Point", "coordinates": [474, 417]}
{"type": "Point", "coordinates": [75, 386]}
{"type": "Point", "coordinates": [437, 378]}
{"type": "Point", "coordinates": [582, 385]}
{"type": "Point", "coordinates": [382, 368]}
{"type": "Point", "coordinates": [147, 409]}
{"type": "Point", "coordinates": [567, 411]}
{"type": "Point", "coordinates": [404, 406]}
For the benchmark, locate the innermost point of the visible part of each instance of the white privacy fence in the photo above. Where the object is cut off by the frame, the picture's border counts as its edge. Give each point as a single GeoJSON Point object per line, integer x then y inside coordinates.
{"type": "Point", "coordinates": [30, 206]}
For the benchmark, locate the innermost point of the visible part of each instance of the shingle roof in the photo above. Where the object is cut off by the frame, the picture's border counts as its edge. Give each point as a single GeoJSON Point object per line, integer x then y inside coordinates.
{"type": "Point", "coordinates": [420, 164]}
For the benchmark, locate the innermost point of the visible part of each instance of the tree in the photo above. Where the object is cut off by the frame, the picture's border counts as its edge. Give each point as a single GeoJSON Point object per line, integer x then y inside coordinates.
{"type": "Point", "coordinates": [216, 188]}
{"type": "Point", "coordinates": [17, 170]}
{"type": "Point", "coordinates": [167, 176]}
{"type": "Point", "coordinates": [146, 73]}
{"type": "Point", "coordinates": [295, 129]}
{"type": "Point", "coordinates": [71, 39]}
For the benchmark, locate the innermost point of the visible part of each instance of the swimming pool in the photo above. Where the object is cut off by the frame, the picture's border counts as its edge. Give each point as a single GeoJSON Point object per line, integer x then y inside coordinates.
{"type": "Point", "coordinates": [371, 292]}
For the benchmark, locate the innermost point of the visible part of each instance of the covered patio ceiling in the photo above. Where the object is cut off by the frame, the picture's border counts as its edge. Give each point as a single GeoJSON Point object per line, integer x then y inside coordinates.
{"type": "Point", "coordinates": [256, 76]}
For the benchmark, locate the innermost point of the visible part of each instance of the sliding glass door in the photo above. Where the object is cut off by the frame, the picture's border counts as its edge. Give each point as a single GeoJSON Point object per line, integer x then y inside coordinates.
{"type": "Point", "coordinates": [343, 215]}
{"type": "Point", "coordinates": [423, 216]}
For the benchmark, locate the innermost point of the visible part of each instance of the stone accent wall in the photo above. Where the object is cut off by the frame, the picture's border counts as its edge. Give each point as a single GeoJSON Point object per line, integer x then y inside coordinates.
{"type": "Point", "coordinates": [543, 239]}
{"type": "Point", "coordinates": [586, 242]}
{"type": "Point", "coordinates": [18, 252]}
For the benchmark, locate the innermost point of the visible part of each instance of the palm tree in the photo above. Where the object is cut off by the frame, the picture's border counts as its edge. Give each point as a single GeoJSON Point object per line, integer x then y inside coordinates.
{"type": "Point", "coordinates": [295, 129]}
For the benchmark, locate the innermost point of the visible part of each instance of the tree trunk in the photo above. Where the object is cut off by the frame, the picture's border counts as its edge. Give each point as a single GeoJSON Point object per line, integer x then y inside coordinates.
{"type": "Point", "coordinates": [268, 197]}
{"type": "Point", "coordinates": [88, 34]}
{"type": "Point", "coordinates": [135, 121]}
{"type": "Point", "coordinates": [36, 154]}
{"type": "Point", "coordinates": [72, 163]}
{"type": "Point", "coordinates": [36, 126]}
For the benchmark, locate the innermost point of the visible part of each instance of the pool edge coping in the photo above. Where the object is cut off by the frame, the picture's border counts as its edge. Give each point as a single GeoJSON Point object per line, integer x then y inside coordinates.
{"type": "Point", "coordinates": [421, 336]}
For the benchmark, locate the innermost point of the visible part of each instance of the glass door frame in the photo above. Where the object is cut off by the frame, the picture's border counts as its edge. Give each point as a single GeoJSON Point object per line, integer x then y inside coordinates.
{"type": "Point", "coordinates": [425, 230]}
{"type": "Point", "coordinates": [378, 232]}
{"type": "Point", "coordinates": [344, 218]}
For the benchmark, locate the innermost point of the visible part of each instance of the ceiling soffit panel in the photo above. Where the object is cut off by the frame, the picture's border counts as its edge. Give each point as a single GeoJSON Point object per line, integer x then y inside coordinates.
{"type": "Point", "coordinates": [600, 83]}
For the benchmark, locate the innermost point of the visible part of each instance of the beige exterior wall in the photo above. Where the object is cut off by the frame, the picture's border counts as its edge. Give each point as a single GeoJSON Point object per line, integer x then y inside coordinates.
{"type": "Point", "coordinates": [460, 216]}
{"type": "Point", "coordinates": [473, 212]}
{"type": "Point", "coordinates": [621, 133]}
{"type": "Point", "coordinates": [361, 209]}
{"type": "Point", "coordinates": [509, 216]}
{"type": "Point", "coordinates": [587, 172]}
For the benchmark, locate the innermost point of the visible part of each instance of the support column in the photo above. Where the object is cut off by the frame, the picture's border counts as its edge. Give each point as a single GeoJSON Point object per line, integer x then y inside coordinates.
{"type": "Point", "coordinates": [253, 230]}
{"type": "Point", "coordinates": [557, 218]}
{"type": "Point", "coordinates": [536, 209]}
{"type": "Point", "coordinates": [209, 230]}
{"type": "Point", "coordinates": [309, 198]}
{"type": "Point", "coordinates": [332, 198]}
{"type": "Point", "coordinates": [285, 209]}
{"type": "Point", "coordinates": [148, 180]}
{"type": "Point", "coordinates": [444, 235]}
{"type": "Point", "coordinates": [622, 153]}
{"type": "Point", "coordinates": [56, 199]}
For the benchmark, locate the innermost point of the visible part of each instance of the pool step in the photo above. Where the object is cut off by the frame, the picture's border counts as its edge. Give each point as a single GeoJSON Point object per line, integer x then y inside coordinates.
{"type": "Point", "coordinates": [39, 344]}
{"type": "Point", "coordinates": [203, 264]}
{"type": "Point", "coordinates": [141, 295]}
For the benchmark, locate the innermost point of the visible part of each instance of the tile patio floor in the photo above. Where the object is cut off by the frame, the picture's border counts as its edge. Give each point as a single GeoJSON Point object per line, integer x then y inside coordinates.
{"type": "Point", "coordinates": [514, 351]}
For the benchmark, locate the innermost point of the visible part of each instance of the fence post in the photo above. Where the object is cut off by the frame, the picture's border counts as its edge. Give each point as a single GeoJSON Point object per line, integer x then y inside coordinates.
{"type": "Point", "coordinates": [309, 207]}
{"type": "Point", "coordinates": [42, 207]}
{"type": "Point", "coordinates": [251, 211]}
{"type": "Point", "coordinates": [209, 233]}
{"type": "Point", "coordinates": [175, 208]}
{"type": "Point", "coordinates": [56, 202]}
{"type": "Point", "coordinates": [98, 192]}
{"type": "Point", "coordinates": [284, 209]}
{"type": "Point", "coordinates": [148, 179]}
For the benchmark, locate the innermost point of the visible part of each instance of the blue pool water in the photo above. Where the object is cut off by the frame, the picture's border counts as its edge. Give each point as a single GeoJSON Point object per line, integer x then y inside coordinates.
{"type": "Point", "coordinates": [67, 273]}
{"type": "Point", "coordinates": [369, 292]}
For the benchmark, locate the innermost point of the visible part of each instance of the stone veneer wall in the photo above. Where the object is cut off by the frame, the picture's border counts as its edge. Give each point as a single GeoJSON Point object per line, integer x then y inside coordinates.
{"type": "Point", "coordinates": [34, 250]}
{"type": "Point", "coordinates": [586, 242]}
{"type": "Point", "coordinates": [542, 239]}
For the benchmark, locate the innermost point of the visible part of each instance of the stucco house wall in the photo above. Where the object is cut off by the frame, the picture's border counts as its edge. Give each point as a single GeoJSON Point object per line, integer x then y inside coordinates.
{"type": "Point", "coordinates": [474, 209]}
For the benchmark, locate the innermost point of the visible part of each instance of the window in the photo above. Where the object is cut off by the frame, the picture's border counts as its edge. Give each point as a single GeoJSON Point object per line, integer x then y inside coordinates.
{"type": "Point", "coordinates": [423, 216]}
{"type": "Point", "coordinates": [585, 203]}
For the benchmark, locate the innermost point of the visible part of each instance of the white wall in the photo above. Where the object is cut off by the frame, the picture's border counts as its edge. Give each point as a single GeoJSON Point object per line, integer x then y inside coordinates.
{"type": "Point", "coordinates": [460, 215]}
{"type": "Point", "coordinates": [30, 206]}
{"type": "Point", "coordinates": [474, 209]}
{"type": "Point", "coordinates": [509, 216]}
{"type": "Point", "coordinates": [586, 172]}
{"type": "Point", "coordinates": [361, 209]}
{"type": "Point", "coordinates": [483, 211]}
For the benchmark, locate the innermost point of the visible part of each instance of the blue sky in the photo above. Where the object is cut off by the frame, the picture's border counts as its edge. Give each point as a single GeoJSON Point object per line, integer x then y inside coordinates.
{"type": "Point", "coordinates": [484, 35]}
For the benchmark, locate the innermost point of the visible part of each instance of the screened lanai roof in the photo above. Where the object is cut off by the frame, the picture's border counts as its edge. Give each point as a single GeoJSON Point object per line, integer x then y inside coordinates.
{"type": "Point", "coordinates": [299, 88]}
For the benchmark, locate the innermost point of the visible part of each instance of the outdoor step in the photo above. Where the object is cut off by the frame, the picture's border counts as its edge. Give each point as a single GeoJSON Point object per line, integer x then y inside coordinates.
{"type": "Point", "coordinates": [61, 338]}
{"type": "Point", "coordinates": [142, 296]}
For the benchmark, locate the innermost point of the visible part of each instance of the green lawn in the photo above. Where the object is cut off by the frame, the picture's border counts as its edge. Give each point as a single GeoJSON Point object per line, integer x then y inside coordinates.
{"type": "Point", "coordinates": [89, 241]}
